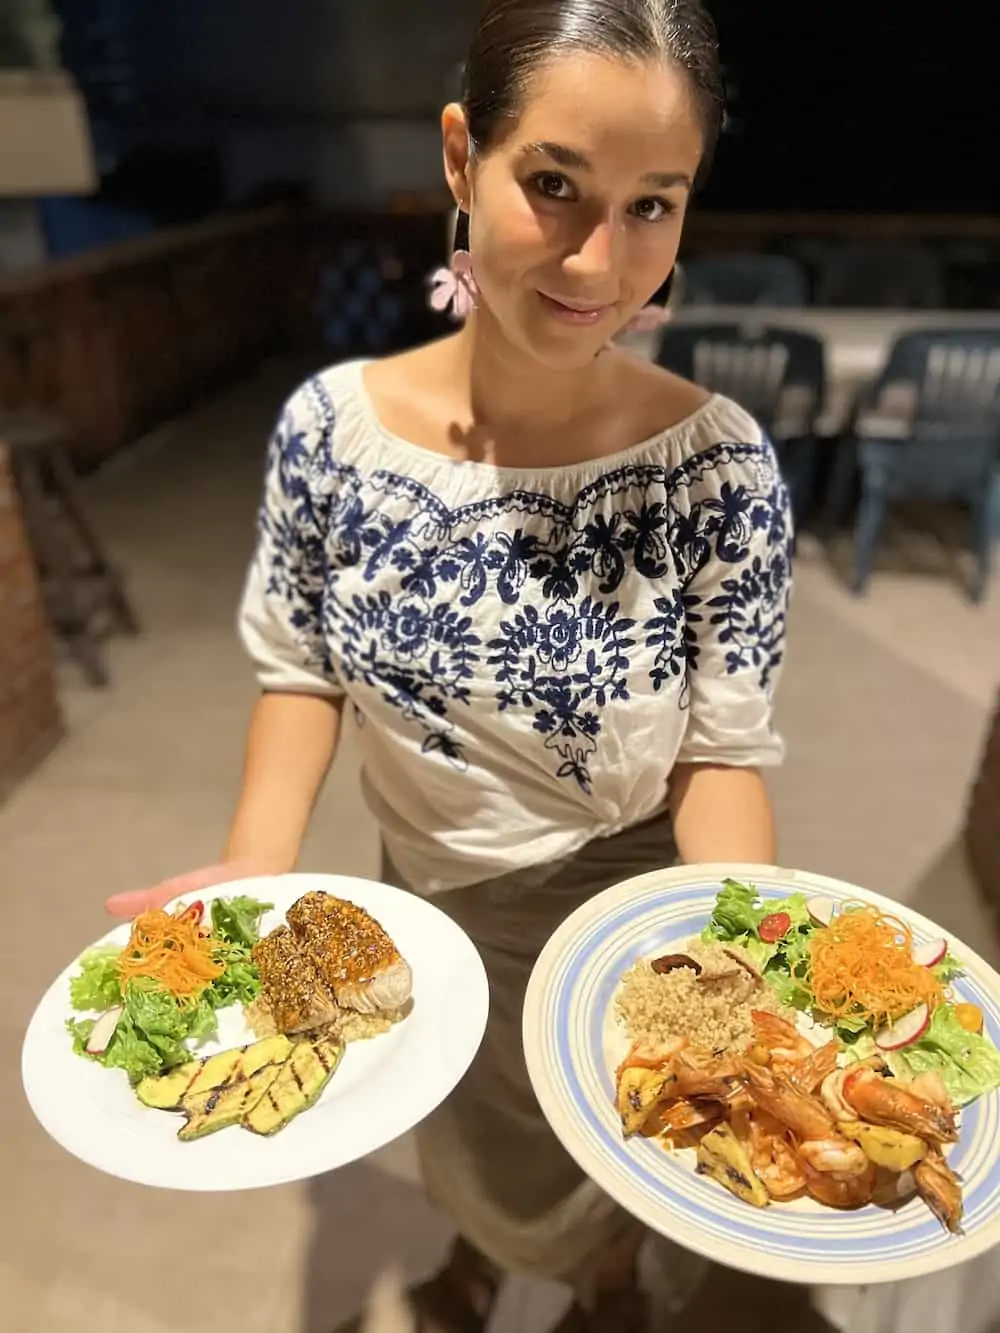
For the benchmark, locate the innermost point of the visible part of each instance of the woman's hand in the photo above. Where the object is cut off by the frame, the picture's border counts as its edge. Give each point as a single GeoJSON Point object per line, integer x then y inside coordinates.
{"type": "Point", "coordinates": [193, 882]}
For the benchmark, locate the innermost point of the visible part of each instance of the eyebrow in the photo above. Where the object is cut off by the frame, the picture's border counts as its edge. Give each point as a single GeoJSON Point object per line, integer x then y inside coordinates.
{"type": "Point", "coordinates": [573, 160]}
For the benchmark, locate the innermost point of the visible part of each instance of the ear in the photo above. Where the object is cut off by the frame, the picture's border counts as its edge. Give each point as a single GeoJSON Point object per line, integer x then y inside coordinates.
{"type": "Point", "coordinates": [457, 157]}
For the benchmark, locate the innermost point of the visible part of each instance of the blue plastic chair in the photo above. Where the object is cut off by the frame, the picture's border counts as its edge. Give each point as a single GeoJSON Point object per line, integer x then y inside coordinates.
{"type": "Point", "coordinates": [777, 375]}
{"type": "Point", "coordinates": [928, 429]}
{"type": "Point", "coordinates": [881, 277]}
{"type": "Point", "coordinates": [749, 279]}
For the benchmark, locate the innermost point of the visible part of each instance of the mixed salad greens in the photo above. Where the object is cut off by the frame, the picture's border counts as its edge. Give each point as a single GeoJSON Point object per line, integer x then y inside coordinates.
{"type": "Point", "coordinates": [776, 935]}
{"type": "Point", "coordinates": [152, 1030]}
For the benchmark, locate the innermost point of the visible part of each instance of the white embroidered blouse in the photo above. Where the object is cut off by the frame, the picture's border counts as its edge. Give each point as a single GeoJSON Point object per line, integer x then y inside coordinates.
{"type": "Point", "coordinates": [530, 652]}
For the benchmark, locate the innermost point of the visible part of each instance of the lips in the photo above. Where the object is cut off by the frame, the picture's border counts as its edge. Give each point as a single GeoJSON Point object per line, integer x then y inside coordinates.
{"type": "Point", "coordinates": [577, 307]}
{"type": "Point", "coordinates": [573, 312]}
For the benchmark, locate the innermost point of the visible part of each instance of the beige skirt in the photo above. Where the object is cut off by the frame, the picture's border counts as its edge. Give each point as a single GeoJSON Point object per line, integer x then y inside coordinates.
{"type": "Point", "coordinates": [488, 1157]}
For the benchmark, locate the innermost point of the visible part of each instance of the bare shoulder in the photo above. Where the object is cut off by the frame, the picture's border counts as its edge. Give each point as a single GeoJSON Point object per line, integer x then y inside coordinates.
{"type": "Point", "coordinates": [663, 400]}
{"type": "Point", "coordinates": [400, 375]}
{"type": "Point", "coordinates": [659, 398]}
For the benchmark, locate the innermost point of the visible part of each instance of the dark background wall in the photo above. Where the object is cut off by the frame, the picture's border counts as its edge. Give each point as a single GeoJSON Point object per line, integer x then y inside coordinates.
{"type": "Point", "coordinates": [861, 105]}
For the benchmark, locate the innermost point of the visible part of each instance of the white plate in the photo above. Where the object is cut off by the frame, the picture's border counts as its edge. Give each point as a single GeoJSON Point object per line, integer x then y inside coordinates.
{"type": "Point", "coordinates": [570, 1047]}
{"type": "Point", "coordinates": [382, 1088]}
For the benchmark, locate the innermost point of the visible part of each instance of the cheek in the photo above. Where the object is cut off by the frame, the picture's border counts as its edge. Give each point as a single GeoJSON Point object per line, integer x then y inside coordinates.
{"type": "Point", "coordinates": [652, 253]}
{"type": "Point", "coordinates": [507, 238]}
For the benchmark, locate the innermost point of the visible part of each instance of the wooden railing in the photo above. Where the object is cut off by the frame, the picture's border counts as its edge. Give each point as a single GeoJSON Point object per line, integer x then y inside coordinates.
{"type": "Point", "coordinates": [127, 336]}
{"type": "Point", "coordinates": [123, 337]}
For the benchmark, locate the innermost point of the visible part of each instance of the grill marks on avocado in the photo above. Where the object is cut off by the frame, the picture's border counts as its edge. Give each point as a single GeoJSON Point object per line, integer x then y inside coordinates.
{"type": "Point", "coordinates": [261, 1087]}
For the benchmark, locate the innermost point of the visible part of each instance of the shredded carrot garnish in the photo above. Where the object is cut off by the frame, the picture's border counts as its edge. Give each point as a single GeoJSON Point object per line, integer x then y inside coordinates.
{"type": "Point", "coordinates": [170, 948]}
{"type": "Point", "coordinates": [862, 965]}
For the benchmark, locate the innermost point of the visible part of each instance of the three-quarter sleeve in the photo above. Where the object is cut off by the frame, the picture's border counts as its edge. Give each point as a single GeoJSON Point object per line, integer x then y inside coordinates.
{"type": "Point", "coordinates": [733, 540]}
{"type": "Point", "coordinates": [281, 613]}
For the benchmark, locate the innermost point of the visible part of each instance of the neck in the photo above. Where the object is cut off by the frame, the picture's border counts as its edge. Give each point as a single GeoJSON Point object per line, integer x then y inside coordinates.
{"type": "Point", "coordinates": [511, 392]}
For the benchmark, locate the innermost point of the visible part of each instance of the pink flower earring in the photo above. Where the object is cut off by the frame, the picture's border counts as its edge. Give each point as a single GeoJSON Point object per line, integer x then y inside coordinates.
{"type": "Point", "coordinates": [650, 318]}
{"type": "Point", "coordinates": [653, 317]}
{"type": "Point", "coordinates": [453, 289]}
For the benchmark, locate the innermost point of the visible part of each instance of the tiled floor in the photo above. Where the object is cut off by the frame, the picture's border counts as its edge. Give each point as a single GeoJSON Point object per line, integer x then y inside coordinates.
{"type": "Point", "coordinates": [883, 705]}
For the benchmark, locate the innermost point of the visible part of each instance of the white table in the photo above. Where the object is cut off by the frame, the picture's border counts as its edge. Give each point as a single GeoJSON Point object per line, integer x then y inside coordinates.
{"type": "Point", "coordinates": [857, 341]}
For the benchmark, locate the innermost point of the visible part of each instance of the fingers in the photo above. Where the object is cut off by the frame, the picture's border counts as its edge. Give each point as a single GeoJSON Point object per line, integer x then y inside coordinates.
{"type": "Point", "coordinates": [194, 881]}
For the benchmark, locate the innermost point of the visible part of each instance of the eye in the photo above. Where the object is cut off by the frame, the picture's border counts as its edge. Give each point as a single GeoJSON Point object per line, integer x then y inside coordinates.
{"type": "Point", "coordinates": [652, 209]}
{"type": "Point", "coordinates": [553, 185]}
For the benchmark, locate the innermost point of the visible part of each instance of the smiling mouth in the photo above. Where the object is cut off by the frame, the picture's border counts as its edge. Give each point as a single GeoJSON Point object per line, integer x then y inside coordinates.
{"type": "Point", "coordinates": [573, 312]}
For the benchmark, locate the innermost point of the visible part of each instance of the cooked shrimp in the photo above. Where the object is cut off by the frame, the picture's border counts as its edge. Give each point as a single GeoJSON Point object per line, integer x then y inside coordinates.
{"type": "Point", "coordinates": [838, 1190]}
{"type": "Point", "coordinates": [683, 1114]}
{"type": "Point", "coordinates": [832, 1093]}
{"type": "Point", "coordinates": [809, 1074]}
{"type": "Point", "coordinates": [930, 1086]}
{"type": "Point", "coordinates": [647, 1055]}
{"type": "Point", "coordinates": [654, 1077]}
{"type": "Point", "coordinates": [803, 1114]}
{"type": "Point", "coordinates": [886, 1101]}
{"type": "Point", "coordinates": [712, 1080]}
{"type": "Point", "coordinates": [784, 1041]}
{"type": "Point", "coordinates": [836, 1155]}
{"type": "Point", "coordinates": [939, 1188]}
{"type": "Point", "coordinates": [774, 1159]}
{"type": "Point", "coordinates": [816, 1138]}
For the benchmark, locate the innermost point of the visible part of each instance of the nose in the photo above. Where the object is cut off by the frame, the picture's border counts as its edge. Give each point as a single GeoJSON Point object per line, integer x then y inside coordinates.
{"type": "Point", "coordinates": [597, 252]}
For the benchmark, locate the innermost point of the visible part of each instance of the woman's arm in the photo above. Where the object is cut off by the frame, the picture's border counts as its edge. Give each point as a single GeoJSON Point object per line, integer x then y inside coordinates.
{"type": "Point", "coordinates": [721, 814]}
{"type": "Point", "coordinates": [290, 745]}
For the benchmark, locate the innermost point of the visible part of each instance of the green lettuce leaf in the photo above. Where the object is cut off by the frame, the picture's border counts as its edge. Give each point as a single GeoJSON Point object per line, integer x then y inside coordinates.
{"type": "Point", "coordinates": [948, 969]}
{"type": "Point", "coordinates": [80, 1029]}
{"type": "Point", "coordinates": [737, 912]}
{"type": "Point", "coordinates": [237, 920]}
{"type": "Point", "coordinates": [239, 984]}
{"type": "Point", "coordinates": [968, 1063]}
{"type": "Point", "coordinates": [96, 985]}
{"type": "Point", "coordinates": [236, 923]}
{"type": "Point", "coordinates": [153, 1034]}
{"type": "Point", "coordinates": [155, 1031]}
{"type": "Point", "coordinates": [736, 919]}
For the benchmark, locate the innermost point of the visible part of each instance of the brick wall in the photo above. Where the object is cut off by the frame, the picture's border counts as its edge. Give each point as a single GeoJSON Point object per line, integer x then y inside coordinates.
{"type": "Point", "coordinates": [30, 721]}
{"type": "Point", "coordinates": [982, 829]}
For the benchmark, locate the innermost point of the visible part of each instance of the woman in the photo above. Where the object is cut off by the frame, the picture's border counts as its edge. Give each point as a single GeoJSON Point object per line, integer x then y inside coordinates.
{"type": "Point", "coordinates": [549, 579]}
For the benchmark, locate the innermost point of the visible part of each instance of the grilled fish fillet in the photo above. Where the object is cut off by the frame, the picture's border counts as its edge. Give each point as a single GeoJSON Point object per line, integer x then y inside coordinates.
{"type": "Point", "coordinates": [295, 992]}
{"type": "Point", "coordinates": [351, 952]}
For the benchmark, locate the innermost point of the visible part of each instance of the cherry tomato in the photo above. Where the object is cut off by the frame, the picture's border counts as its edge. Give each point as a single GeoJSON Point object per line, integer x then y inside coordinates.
{"type": "Point", "coordinates": [774, 927]}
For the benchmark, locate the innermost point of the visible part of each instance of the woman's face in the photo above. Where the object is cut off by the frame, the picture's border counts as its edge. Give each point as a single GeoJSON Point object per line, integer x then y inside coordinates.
{"type": "Point", "coordinates": [576, 213]}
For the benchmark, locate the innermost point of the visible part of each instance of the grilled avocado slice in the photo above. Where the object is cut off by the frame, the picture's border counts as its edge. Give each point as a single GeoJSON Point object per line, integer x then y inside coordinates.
{"type": "Point", "coordinates": [724, 1158]}
{"type": "Point", "coordinates": [218, 1108]}
{"type": "Point", "coordinates": [164, 1091]}
{"type": "Point", "coordinates": [299, 1083]}
{"type": "Point", "coordinates": [169, 1092]}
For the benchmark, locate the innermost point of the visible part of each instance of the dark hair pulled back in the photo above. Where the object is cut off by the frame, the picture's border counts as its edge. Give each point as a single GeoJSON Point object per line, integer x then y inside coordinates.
{"type": "Point", "coordinates": [515, 38]}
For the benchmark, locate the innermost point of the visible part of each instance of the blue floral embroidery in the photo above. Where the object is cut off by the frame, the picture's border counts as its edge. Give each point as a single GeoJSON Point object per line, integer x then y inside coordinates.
{"type": "Point", "coordinates": [565, 650]}
{"type": "Point", "coordinates": [564, 665]}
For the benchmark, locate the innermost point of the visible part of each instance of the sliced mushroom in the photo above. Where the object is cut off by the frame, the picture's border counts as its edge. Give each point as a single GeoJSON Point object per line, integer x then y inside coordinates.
{"type": "Point", "coordinates": [743, 962]}
{"type": "Point", "coordinates": [730, 974]}
{"type": "Point", "coordinates": [670, 961]}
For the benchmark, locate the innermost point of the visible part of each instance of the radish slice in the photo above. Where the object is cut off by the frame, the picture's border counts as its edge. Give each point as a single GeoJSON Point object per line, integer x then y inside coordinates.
{"type": "Point", "coordinates": [905, 1030]}
{"type": "Point", "coordinates": [931, 953]}
{"type": "Point", "coordinates": [821, 910]}
{"type": "Point", "coordinates": [103, 1030]}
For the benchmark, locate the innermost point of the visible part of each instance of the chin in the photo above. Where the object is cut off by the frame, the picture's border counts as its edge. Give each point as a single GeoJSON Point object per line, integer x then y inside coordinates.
{"type": "Point", "coordinates": [564, 349]}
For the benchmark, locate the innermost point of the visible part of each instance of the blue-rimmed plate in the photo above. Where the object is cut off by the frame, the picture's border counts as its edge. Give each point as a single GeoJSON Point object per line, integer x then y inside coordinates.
{"type": "Point", "coordinates": [572, 1045]}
